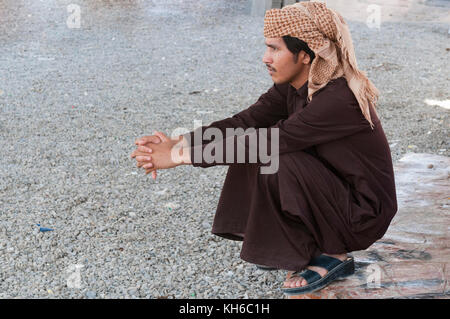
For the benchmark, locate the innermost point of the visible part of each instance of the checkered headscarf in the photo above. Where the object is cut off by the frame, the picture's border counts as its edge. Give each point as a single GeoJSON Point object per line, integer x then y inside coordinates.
{"type": "Point", "coordinates": [328, 36]}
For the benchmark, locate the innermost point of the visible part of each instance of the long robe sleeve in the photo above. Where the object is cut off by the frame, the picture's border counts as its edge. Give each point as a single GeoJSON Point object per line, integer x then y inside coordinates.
{"type": "Point", "coordinates": [332, 114]}
{"type": "Point", "coordinates": [268, 109]}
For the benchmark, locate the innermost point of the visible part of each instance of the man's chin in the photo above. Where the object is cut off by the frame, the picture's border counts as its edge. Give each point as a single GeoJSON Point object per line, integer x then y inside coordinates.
{"type": "Point", "coordinates": [278, 81]}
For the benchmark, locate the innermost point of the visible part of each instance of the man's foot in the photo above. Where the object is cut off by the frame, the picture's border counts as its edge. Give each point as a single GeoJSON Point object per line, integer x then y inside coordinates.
{"type": "Point", "coordinates": [298, 281]}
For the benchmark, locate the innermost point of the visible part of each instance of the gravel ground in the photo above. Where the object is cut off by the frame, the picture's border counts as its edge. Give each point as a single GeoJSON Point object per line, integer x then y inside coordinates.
{"type": "Point", "coordinates": [73, 101]}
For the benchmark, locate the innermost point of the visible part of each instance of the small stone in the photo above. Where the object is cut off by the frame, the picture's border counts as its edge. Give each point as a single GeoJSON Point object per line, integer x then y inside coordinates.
{"type": "Point", "coordinates": [216, 288]}
{"type": "Point", "coordinates": [161, 192]}
{"type": "Point", "coordinates": [430, 166]}
{"type": "Point", "coordinates": [91, 294]}
{"type": "Point", "coordinates": [133, 291]}
{"type": "Point", "coordinates": [205, 224]}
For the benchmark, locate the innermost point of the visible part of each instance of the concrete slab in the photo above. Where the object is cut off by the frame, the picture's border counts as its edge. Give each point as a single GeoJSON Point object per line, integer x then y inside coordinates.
{"type": "Point", "coordinates": [412, 259]}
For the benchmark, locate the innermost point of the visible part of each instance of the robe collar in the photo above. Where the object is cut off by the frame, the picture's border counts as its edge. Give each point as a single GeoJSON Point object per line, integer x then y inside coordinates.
{"type": "Point", "coordinates": [302, 91]}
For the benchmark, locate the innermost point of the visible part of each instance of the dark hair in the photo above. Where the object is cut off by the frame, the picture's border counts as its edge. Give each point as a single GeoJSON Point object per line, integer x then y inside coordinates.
{"type": "Point", "coordinates": [295, 45]}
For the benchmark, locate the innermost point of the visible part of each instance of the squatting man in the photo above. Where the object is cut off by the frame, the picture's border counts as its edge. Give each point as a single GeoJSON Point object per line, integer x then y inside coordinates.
{"type": "Point", "coordinates": [332, 189]}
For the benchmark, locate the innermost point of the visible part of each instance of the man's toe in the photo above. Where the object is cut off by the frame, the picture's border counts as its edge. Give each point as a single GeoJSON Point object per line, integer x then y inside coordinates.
{"type": "Point", "coordinates": [294, 281]}
{"type": "Point", "coordinates": [298, 282]}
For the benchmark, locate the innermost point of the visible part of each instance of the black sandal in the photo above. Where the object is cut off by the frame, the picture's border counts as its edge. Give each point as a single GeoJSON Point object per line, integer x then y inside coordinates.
{"type": "Point", "coordinates": [336, 269]}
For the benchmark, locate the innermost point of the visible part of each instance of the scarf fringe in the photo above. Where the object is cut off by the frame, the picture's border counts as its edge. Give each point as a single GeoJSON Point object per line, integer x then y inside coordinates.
{"type": "Point", "coordinates": [367, 94]}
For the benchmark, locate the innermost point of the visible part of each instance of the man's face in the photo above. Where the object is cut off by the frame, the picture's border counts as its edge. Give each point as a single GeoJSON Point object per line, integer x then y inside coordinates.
{"type": "Point", "coordinates": [280, 62]}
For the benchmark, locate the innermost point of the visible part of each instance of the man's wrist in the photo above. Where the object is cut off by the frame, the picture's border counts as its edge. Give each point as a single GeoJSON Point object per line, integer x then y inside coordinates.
{"type": "Point", "coordinates": [183, 151]}
{"type": "Point", "coordinates": [186, 156]}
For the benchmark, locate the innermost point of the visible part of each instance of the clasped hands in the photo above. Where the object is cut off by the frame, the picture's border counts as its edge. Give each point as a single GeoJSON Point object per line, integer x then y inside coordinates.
{"type": "Point", "coordinates": [159, 151]}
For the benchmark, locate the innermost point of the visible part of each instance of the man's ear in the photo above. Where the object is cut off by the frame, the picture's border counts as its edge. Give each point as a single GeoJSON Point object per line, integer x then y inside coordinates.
{"type": "Point", "coordinates": [306, 59]}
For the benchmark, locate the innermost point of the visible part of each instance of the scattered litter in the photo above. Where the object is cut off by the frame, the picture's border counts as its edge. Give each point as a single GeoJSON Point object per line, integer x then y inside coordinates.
{"type": "Point", "coordinates": [204, 112]}
{"type": "Point", "coordinates": [444, 104]}
{"type": "Point", "coordinates": [44, 229]}
{"type": "Point", "coordinates": [161, 192]}
{"type": "Point", "coordinates": [171, 206]}
{"type": "Point", "coordinates": [46, 58]}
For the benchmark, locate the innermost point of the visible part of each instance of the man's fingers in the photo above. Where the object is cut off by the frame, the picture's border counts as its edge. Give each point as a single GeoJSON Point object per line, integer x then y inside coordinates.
{"type": "Point", "coordinates": [148, 139]}
{"type": "Point", "coordinates": [143, 158]}
{"type": "Point", "coordinates": [162, 136]}
{"type": "Point", "coordinates": [137, 153]}
{"type": "Point", "coordinates": [144, 149]}
{"type": "Point", "coordinates": [154, 174]}
{"type": "Point", "coordinates": [144, 164]}
{"type": "Point", "coordinates": [149, 170]}
{"type": "Point", "coordinates": [148, 165]}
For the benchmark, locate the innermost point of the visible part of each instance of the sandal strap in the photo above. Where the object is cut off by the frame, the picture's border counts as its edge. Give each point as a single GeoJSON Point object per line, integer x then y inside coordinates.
{"type": "Point", "coordinates": [309, 275]}
{"type": "Point", "coordinates": [326, 262]}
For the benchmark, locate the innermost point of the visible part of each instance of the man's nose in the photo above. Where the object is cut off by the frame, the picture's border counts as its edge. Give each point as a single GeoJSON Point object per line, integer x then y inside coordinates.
{"type": "Point", "coordinates": [266, 58]}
